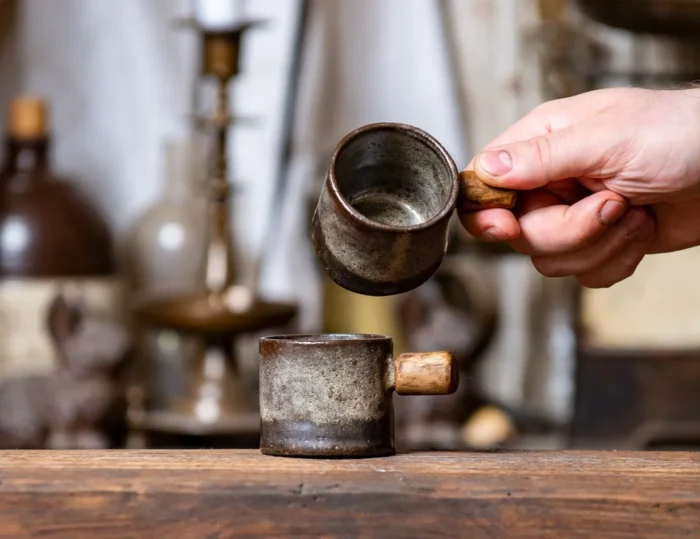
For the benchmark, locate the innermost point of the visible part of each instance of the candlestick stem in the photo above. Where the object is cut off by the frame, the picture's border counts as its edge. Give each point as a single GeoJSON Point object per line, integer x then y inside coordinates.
{"type": "Point", "coordinates": [220, 273]}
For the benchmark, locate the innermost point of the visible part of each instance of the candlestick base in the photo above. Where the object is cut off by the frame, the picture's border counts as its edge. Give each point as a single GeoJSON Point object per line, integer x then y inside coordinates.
{"type": "Point", "coordinates": [199, 314]}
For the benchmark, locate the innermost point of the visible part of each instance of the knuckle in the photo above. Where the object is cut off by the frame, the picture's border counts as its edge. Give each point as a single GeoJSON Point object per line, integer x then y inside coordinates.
{"type": "Point", "coordinates": [624, 270]}
{"type": "Point", "coordinates": [628, 269]}
{"type": "Point", "coordinates": [547, 108]}
{"type": "Point", "coordinates": [633, 224]}
{"type": "Point", "coordinates": [581, 236]}
{"type": "Point", "coordinates": [541, 150]}
{"type": "Point", "coordinates": [547, 267]}
{"type": "Point", "coordinates": [594, 282]}
{"type": "Point", "coordinates": [580, 228]}
{"type": "Point", "coordinates": [523, 247]}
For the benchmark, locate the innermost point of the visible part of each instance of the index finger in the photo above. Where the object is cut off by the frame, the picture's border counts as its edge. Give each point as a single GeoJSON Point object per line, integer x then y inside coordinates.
{"type": "Point", "coordinates": [562, 228]}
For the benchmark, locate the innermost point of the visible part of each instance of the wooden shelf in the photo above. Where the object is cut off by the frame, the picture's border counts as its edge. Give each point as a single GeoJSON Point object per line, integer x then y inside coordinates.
{"type": "Point", "coordinates": [226, 493]}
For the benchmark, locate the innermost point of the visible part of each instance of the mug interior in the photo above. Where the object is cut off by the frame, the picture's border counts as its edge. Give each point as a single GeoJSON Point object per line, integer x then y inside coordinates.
{"type": "Point", "coordinates": [394, 176]}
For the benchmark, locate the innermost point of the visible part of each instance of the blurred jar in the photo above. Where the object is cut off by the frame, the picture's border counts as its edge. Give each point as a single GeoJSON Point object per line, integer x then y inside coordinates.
{"type": "Point", "coordinates": [53, 242]}
{"type": "Point", "coordinates": [165, 254]}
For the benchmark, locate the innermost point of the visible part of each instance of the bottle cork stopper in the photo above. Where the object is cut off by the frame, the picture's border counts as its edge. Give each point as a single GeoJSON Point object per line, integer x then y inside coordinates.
{"type": "Point", "coordinates": [27, 117]}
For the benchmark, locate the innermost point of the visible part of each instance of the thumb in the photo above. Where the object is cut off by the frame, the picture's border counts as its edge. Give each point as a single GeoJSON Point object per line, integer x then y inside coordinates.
{"type": "Point", "coordinates": [570, 153]}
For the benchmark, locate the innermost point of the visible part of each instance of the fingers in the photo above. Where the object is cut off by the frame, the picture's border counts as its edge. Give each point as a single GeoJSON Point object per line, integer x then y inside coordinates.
{"type": "Point", "coordinates": [542, 225]}
{"type": "Point", "coordinates": [634, 226]}
{"type": "Point", "coordinates": [622, 266]}
{"type": "Point", "coordinates": [560, 228]}
{"type": "Point", "coordinates": [598, 240]}
{"type": "Point", "coordinates": [502, 225]}
{"type": "Point", "coordinates": [491, 225]}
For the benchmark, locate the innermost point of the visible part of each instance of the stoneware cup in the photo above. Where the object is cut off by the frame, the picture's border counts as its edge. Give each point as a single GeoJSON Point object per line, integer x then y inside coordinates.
{"type": "Point", "coordinates": [381, 223]}
{"type": "Point", "coordinates": [331, 395]}
{"type": "Point", "coordinates": [380, 226]}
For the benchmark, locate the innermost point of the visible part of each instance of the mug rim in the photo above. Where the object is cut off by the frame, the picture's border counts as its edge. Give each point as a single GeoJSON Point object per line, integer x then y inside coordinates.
{"type": "Point", "coordinates": [316, 339]}
{"type": "Point", "coordinates": [410, 131]}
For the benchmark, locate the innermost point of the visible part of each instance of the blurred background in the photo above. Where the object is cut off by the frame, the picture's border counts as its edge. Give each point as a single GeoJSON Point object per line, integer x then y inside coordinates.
{"type": "Point", "coordinates": [161, 164]}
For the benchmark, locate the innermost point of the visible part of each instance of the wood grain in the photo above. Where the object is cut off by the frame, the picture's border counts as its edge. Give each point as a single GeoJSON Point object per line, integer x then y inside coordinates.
{"type": "Point", "coordinates": [475, 195]}
{"type": "Point", "coordinates": [207, 494]}
{"type": "Point", "coordinates": [426, 373]}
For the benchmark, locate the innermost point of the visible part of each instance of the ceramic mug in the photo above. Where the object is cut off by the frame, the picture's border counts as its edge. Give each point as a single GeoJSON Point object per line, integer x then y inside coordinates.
{"type": "Point", "coordinates": [382, 220]}
{"type": "Point", "coordinates": [331, 395]}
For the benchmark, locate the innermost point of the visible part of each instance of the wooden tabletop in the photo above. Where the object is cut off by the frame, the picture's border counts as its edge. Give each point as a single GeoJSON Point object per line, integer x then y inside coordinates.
{"type": "Point", "coordinates": [207, 494]}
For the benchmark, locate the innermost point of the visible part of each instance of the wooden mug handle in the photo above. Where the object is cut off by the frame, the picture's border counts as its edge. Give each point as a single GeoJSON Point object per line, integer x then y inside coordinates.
{"type": "Point", "coordinates": [430, 373]}
{"type": "Point", "coordinates": [475, 195]}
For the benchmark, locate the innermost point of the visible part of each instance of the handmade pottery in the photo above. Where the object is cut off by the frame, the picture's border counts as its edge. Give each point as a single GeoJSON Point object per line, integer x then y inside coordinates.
{"type": "Point", "coordinates": [331, 395]}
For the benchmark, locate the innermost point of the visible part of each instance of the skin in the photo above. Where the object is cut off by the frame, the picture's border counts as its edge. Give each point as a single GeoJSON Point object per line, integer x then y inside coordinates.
{"type": "Point", "coordinates": [606, 178]}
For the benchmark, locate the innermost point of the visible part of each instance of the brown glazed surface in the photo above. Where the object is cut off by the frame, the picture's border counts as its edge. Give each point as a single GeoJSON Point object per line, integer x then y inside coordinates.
{"type": "Point", "coordinates": [61, 233]}
{"type": "Point", "coordinates": [381, 223]}
{"type": "Point", "coordinates": [195, 314]}
{"type": "Point", "coordinates": [326, 395]}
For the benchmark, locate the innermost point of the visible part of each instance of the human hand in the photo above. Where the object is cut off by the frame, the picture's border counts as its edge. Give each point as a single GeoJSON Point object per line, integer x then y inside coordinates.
{"type": "Point", "coordinates": [606, 178]}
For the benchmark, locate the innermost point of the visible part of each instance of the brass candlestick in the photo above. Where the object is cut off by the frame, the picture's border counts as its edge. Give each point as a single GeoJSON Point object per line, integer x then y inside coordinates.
{"type": "Point", "coordinates": [216, 401]}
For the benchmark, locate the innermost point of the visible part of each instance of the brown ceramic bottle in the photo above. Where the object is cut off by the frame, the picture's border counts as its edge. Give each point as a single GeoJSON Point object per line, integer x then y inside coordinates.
{"type": "Point", "coordinates": [51, 241]}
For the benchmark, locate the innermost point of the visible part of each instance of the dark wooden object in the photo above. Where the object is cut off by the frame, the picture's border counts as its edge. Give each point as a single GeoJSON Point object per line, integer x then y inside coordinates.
{"type": "Point", "coordinates": [637, 399]}
{"type": "Point", "coordinates": [207, 494]}
{"type": "Point", "coordinates": [666, 17]}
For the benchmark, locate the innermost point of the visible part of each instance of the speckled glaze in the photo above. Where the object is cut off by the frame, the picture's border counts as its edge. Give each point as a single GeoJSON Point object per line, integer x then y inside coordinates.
{"type": "Point", "coordinates": [381, 222]}
{"type": "Point", "coordinates": [326, 395]}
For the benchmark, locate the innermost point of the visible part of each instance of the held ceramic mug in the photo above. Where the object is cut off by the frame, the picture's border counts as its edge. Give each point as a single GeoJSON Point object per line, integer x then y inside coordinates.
{"type": "Point", "coordinates": [331, 395]}
{"type": "Point", "coordinates": [381, 223]}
